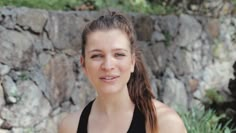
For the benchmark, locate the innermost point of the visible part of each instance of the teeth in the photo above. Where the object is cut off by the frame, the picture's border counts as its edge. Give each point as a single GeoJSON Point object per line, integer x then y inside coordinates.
{"type": "Point", "coordinates": [108, 78]}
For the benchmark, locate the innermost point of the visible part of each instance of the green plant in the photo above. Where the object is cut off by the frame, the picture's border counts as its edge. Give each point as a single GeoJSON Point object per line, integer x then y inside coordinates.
{"type": "Point", "coordinates": [43, 4]}
{"type": "Point", "coordinates": [142, 6]}
{"type": "Point", "coordinates": [213, 96]}
{"type": "Point", "coordinates": [201, 121]}
{"type": "Point", "coordinates": [234, 2]}
{"type": "Point", "coordinates": [24, 76]}
{"type": "Point", "coordinates": [167, 38]}
{"type": "Point", "coordinates": [29, 130]}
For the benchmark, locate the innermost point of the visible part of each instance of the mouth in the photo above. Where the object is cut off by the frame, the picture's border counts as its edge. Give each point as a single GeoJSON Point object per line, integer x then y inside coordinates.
{"type": "Point", "coordinates": [109, 78]}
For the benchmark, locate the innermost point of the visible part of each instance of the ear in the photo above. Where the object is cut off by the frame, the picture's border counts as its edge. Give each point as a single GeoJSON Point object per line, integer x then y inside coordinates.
{"type": "Point", "coordinates": [82, 62]}
{"type": "Point", "coordinates": [133, 62]}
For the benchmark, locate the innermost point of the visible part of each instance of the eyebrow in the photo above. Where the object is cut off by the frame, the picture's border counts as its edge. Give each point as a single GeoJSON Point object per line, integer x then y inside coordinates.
{"type": "Point", "coordinates": [98, 50]}
{"type": "Point", "coordinates": [94, 50]}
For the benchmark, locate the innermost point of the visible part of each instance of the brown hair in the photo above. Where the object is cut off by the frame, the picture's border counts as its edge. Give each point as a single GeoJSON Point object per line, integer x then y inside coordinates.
{"type": "Point", "coordinates": [139, 87]}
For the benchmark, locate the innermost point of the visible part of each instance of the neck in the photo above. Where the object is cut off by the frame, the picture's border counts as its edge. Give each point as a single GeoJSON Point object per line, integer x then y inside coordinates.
{"type": "Point", "coordinates": [114, 103]}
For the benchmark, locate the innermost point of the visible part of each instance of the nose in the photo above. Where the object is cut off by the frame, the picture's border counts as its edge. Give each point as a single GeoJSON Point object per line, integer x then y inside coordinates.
{"type": "Point", "coordinates": [107, 64]}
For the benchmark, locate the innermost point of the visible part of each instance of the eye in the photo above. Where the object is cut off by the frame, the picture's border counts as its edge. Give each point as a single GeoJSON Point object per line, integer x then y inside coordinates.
{"type": "Point", "coordinates": [96, 56]}
{"type": "Point", "coordinates": [119, 54]}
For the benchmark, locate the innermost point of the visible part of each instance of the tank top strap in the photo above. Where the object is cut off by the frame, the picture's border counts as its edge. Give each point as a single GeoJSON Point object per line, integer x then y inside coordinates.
{"type": "Point", "coordinates": [138, 122]}
{"type": "Point", "coordinates": [83, 122]}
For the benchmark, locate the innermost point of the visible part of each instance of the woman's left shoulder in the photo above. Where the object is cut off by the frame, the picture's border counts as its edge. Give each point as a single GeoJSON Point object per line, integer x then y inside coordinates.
{"type": "Point", "coordinates": [168, 119]}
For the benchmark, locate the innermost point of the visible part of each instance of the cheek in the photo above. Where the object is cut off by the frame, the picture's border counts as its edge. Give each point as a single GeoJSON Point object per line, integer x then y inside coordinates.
{"type": "Point", "coordinates": [91, 66]}
{"type": "Point", "coordinates": [128, 66]}
{"type": "Point", "coordinates": [88, 67]}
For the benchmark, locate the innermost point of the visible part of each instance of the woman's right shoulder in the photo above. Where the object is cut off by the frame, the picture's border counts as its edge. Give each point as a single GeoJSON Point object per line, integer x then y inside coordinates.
{"type": "Point", "coordinates": [69, 123]}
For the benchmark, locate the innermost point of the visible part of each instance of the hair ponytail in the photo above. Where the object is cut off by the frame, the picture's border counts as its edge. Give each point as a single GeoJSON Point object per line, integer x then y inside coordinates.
{"type": "Point", "coordinates": [141, 93]}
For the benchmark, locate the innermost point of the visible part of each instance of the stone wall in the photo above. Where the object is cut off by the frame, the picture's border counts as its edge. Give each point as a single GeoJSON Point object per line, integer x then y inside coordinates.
{"type": "Point", "coordinates": [40, 73]}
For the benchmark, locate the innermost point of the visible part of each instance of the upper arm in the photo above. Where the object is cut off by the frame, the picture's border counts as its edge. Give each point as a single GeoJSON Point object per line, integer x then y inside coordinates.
{"type": "Point", "coordinates": [69, 123]}
{"type": "Point", "coordinates": [168, 120]}
{"type": "Point", "coordinates": [62, 126]}
{"type": "Point", "coordinates": [171, 123]}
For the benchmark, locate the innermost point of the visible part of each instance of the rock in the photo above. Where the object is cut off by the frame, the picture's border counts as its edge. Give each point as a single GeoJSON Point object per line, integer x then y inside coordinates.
{"type": "Point", "coordinates": [206, 53]}
{"type": "Point", "coordinates": [154, 86]}
{"type": "Point", "coordinates": [64, 30]}
{"type": "Point", "coordinates": [194, 7]}
{"type": "Point", "coordinates": [149, 58]}
{"type": "Point", "coordinates": [33, 19]}
{"type": "Point", "coordinates": [212, 7]}
{"type": "Point", "coordinates": [227, 34]}
{"type": "Point", "coordinates": [16, 49]}
{"type": "Point", "coordinates": [43, 44]}
{"type": "Point", "coordinates": [83, 94]}
{"type": "Point", "coordinates": [84, 91]}
{"type": "Point", "coordinates": [55, 112]}
{"type": "Point", "coordinates": [214, 76]}
{"type": "Point", "coordinates": [70, 52]}
{"type": "Point", "coordinates": [18, 76]}
{"type": "Point", "coordinates": [30, 110]}
{"type": "Point", "coordinates": [182, 63]}
{"type": "Point", "coordinates": [23, 130]}
{"type": "Point", "coordinates": [189, 30]}
{"type": "Point", "coordinates": [5, 124]}
{"type": "Point", "coordinates": [144, 27]}
{"type": "Point", "coordinates": [59, 73]}
{"type": "Point", "coordinates": [227, 8]}
{"type": "Point", "coordinates": [174, 93]}
{"type": "Point", "coordinates": [193, 83]}
{"type": "Point", "coordinates": [157, 37]}
{"type": "Point", "coordinates": [44, 58]}
{"type": "Point", "coordinates": [220, 51]}
{"type": "Point", "coordinates": [213, 27]}
{"type": "Point", "coordinates": [49, 123]}
{"type": "Point", "coordinates": [4, 69]}
{"type": "Point", "coordinates": [2, 100]}
{"type": "Point", "coordinates": [169, 24]}
{"type": "Point", "coordinates": [8, 17]}
{"type": "Point", "coordinates": [196, 55]}
{"type": "Point", "coordinates": [1, 122]}
{"type": "Point", "coordinates": [39, 78]}
{"type": "Point", "coordinates": [4, 131]}
{"type": "Point", "coordinates": [10, 90]}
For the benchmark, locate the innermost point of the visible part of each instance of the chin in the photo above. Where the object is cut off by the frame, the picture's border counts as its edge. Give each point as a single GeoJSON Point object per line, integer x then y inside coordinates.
{"type": "Point", "coordinates": [109, 90]}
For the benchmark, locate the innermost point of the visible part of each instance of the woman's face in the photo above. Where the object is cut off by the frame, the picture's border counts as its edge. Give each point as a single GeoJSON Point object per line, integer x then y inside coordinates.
{"type": "Point", "coordinates": [108, 61]}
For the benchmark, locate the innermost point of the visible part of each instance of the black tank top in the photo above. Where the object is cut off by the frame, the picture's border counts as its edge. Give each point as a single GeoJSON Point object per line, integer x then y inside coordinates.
{"type": "Point", "coordinates": [137, 124]}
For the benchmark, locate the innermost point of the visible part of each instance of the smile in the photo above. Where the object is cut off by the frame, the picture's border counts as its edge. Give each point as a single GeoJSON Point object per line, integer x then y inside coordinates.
{"type": "Point", "coordinates": [109, 78]}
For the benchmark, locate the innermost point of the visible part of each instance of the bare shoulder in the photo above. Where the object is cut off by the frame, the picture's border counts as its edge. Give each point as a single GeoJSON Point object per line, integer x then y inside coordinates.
{"type": "Point", "coordinates": [168, 119]}
{"type": "Point", "coordinates": [69, 123]}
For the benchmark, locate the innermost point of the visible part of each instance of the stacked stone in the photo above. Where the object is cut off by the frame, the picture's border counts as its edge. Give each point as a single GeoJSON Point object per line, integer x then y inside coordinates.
{"type": "Point", "coordinates": [210, 8]}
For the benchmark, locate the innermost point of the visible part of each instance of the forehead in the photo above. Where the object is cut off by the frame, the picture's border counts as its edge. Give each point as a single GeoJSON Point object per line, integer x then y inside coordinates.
{"type": "Point", "coordinates": [107, 39]}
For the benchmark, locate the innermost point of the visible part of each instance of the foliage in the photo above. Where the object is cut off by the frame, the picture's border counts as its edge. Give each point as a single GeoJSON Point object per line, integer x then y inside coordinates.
{"type": "Point", "coordinates": [23, 76]}
{"type": "Point", "coordinates": [234, 2]}
{"type": "Point", "coordinates": [213, 96]}
{"type": "Point", "coordinates": [201, 121]}
{"type": "Point", "coordinates": [43, 4]}
{"type": "Point", "coordinates": [142, 6]}
{"type": "Point", "coordinates": [167, 38]}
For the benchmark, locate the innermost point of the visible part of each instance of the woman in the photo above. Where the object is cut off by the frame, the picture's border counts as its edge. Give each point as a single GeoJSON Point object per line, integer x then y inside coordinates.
{"type": "Point", "coordinates": [125, 102]}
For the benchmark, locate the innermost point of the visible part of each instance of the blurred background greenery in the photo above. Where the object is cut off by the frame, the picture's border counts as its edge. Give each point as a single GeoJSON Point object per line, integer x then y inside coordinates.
{"type": "Point", "coordinates": [142, 6]}
{"type": "Point", "coordinates": [160, 7]}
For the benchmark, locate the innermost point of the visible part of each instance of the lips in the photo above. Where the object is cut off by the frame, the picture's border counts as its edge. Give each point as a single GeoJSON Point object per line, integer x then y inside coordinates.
{"type": "Point", "coordinates": [108, 78]}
